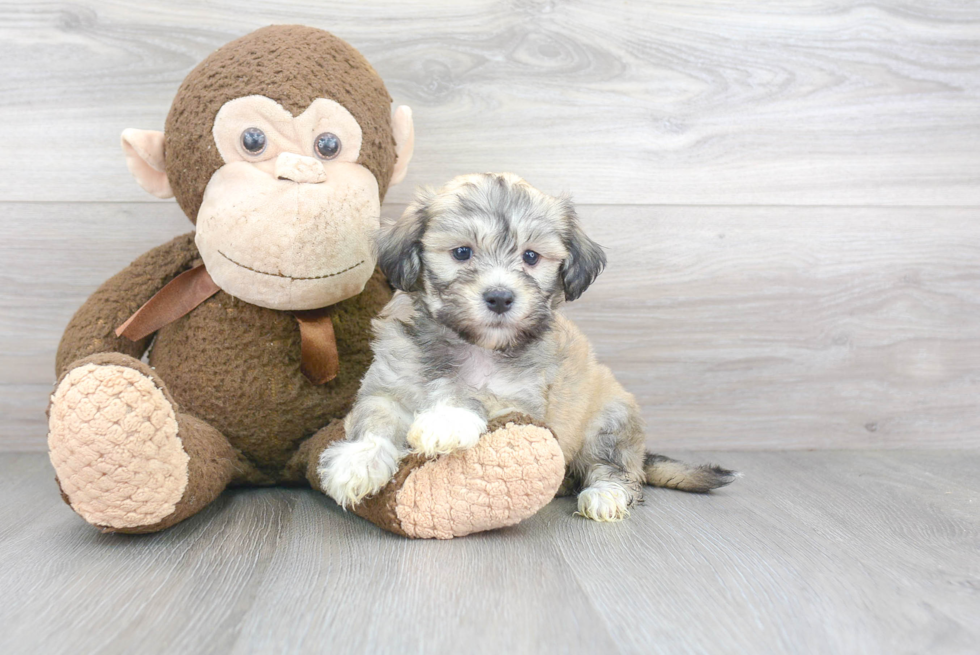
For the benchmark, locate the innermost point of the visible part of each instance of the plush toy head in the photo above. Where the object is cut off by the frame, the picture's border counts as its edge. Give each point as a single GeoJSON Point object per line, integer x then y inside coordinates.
{"type": "Point", "coordinates": [280, 147]}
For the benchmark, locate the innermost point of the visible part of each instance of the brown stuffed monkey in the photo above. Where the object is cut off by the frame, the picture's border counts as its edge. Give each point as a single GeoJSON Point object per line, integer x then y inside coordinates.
{"type": "Point", "coordinates": [256, 327]}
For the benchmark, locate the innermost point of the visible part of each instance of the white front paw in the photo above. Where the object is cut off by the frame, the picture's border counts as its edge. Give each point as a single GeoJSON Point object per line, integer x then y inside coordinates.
{"type": "Point", "coordinates": [604, 501]}
{"type": "Point", "coordinates": [444, 429]}
{"type": "Point", "coordinates": [351, 470]}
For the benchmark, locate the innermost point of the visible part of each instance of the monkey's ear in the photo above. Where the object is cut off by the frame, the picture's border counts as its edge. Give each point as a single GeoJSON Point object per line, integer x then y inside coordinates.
{"type": "Point", "coordinates": [585, 257]}
{"type": "Point", "coordinates": [399, 245]}
{"type": "Point", "coordinates": [403, 130]}
{"type": "Point", "coordinates": [144, 158]}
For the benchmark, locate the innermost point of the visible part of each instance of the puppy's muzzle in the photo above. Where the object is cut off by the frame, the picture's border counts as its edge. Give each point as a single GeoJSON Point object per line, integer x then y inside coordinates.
{"type": "Point", "coordinates": [499, 301]}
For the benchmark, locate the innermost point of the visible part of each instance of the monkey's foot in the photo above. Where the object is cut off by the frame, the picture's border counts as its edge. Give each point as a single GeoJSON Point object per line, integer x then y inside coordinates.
{"type": "Point", "coordinates": [114, 446]}
{"type": "Point", "coordinates": [512, 472]}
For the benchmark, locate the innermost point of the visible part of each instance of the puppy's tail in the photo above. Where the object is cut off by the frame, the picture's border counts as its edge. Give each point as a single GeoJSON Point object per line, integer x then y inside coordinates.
{"type": "Point", "coordinates": [666, 472]}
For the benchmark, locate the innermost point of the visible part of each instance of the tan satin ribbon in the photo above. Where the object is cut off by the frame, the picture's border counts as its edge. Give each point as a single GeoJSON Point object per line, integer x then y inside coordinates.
{"type": "Point", "coordinates": [319, 360]}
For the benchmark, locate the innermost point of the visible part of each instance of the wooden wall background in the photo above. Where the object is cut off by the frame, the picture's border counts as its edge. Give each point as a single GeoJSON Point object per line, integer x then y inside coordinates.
{"type": "Point", "coordinates": [789, 192]}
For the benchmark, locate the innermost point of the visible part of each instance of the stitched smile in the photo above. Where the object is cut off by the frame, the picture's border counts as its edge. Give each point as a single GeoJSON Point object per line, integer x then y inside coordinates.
{"type": "Point", "coordinates": [290, 277]}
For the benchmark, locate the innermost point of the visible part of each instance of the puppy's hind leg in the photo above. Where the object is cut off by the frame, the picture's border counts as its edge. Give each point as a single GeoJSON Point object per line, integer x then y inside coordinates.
{"type": "Point", "coordinates": [610, 464]}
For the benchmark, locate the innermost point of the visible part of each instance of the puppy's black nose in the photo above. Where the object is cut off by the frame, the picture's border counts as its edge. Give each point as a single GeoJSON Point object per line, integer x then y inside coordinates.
{"type": "Point", "coordinates": [499, 300]}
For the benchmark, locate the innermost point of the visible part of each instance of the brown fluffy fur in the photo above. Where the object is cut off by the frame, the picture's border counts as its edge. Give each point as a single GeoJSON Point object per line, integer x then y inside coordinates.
{"type": "Point", "coordinates": [291, 64]}
{"type": "Point", "coordinates": [231, 368]}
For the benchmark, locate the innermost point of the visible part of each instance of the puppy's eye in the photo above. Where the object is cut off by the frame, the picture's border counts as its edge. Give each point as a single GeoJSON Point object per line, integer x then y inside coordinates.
{"type": "Point", "coordinates": [530, 257]}
{"type": "Point", "coordinates": [327, 145]}
{"type": "Point", "coordinates": [462, 253]}
{"type": "Point", "coordinates": [253, 140]}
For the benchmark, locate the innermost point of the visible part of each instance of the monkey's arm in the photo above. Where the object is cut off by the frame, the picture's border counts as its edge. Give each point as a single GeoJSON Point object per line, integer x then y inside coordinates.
{"type": "Point", "coordinates": [92, 329]}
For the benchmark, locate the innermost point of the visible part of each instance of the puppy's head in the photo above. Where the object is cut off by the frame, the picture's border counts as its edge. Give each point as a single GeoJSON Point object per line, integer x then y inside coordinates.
{"type": "Point", "coordinates": [490, 256]}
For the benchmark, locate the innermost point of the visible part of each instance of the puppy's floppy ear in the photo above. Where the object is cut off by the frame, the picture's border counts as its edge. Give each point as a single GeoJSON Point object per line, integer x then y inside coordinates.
{"type": "Point", "coordinates": [585, 257]}
{"type": "Point", "coordinates": [399, 244]}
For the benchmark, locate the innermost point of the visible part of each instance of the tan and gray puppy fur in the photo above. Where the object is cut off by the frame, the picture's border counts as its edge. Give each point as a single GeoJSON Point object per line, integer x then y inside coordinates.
{"type": "Point", "coordinates": [483, 266]}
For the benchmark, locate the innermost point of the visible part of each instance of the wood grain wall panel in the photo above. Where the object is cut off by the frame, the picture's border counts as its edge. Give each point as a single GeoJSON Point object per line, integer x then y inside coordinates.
{"type": "Point", "coordinates": [792, 327]}
{"type": "Point", "coordinates": [736, 327]}
{"type": "Point", "coordinates": [822, 102]}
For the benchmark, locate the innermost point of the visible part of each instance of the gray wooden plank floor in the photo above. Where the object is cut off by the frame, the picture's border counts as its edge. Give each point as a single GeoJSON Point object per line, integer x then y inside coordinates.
{"type": "Point", "coordinates": [810, 552]}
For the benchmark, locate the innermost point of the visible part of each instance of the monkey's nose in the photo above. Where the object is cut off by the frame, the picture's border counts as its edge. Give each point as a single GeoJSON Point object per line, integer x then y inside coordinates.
{"type": "Point", "coordinates": [305, 170]}
{"type": "Point", "coordinates": [499, 300]}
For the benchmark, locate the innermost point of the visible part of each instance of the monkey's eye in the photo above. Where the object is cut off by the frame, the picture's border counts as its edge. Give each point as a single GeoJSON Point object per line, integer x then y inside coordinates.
{"type": "Point", "coordinates": [327, 145]}
{"type": "Point", "coordinates": [462, 253]}
{"type": "Point", "coordinates": [530, 257]}
{"type": "Point", "coordinates": [253, 140]}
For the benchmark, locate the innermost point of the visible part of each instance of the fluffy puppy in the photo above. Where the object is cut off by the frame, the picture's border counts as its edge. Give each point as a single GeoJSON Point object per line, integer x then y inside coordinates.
{"type": "Point", "coordinates": [482, 266]}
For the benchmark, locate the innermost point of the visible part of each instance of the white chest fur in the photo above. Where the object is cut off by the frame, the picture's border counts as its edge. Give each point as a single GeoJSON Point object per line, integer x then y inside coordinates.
{"type": "Point", "coordinates": [477, 368]}
{"type": "Point", "coordinates": [504, 388]}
